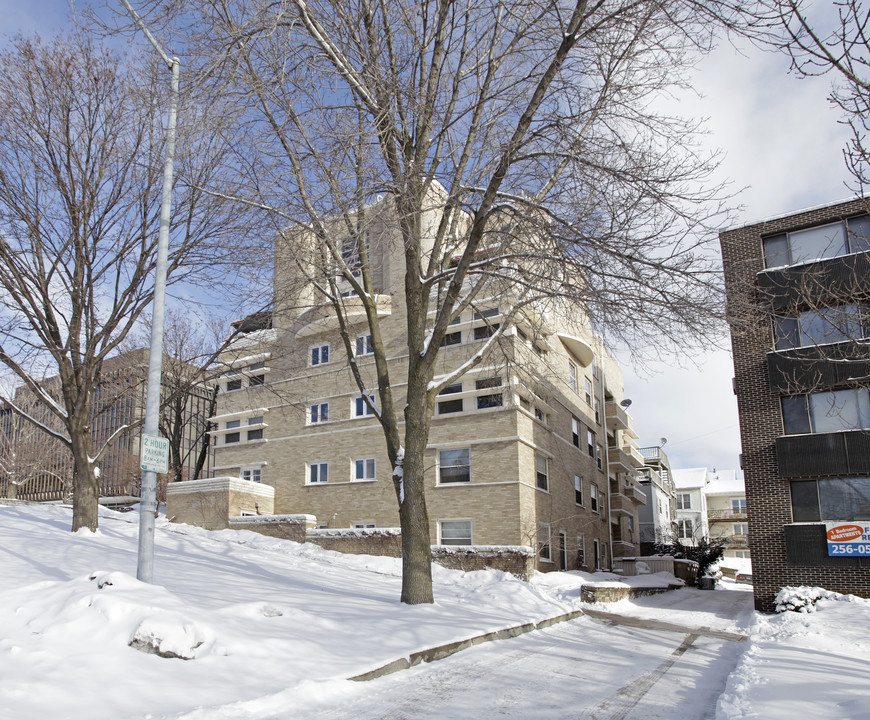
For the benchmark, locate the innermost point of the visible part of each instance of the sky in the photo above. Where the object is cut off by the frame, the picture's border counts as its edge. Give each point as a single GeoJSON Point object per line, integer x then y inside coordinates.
{"type": "Point", "coordinates": [782, 146]}
{"type": "Point", "coordinates": [271, 629]}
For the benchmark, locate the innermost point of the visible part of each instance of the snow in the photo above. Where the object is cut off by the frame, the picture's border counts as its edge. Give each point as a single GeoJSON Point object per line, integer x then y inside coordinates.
{"type": "Point", "coordinates": [246, 626]}
{"type": "Point", "coordinates": [689, 478]}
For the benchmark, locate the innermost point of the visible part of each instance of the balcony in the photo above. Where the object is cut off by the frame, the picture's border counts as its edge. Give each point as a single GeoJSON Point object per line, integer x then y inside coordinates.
{"type": "Point", "coordinates": [618, 418]}
{"type": "Point", "coordinates": [725, 515]}
{"type": "Point", "coordinates": [634, 455]}
{"type": "Point", "coordinates": [322, 318]}
{"type": "Point", "coordinates": [740, 541]}
{"type": "Point", "coordinates": [636, 494]}
{"type": "Point", "coordinates": [620, 504]}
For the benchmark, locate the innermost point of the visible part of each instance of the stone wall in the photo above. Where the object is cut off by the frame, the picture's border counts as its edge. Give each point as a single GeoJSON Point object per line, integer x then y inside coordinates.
{"type": "Point", "coordinates": [286, 527]}
{"type": "Point", "coordinates": [387, 542]}
{"type": "Point", "coordinates": [518, 560]}
{"type": "Point", "coordinates": [210, 502]}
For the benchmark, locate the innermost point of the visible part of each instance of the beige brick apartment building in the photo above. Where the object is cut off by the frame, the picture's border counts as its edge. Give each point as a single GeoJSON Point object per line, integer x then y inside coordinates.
{"type": "Point", "coordinates": [529, 447]}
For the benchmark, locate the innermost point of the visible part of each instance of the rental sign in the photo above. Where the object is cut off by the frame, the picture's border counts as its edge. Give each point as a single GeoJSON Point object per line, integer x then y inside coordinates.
{"type": "Point", "coordinates": [848, 539]}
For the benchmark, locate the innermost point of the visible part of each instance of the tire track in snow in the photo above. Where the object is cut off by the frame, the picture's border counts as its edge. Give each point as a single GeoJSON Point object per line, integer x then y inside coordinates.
{"type": "Point", "coordinates": [628, 696]}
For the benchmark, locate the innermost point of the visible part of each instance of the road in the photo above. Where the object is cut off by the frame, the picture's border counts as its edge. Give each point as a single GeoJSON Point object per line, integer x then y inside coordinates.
{"type": "Point", "coordinates": [585, 669]}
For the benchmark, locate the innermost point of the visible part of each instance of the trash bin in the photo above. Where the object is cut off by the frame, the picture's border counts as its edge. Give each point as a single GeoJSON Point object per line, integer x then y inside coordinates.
{"type": "Point", "coordinates": [706, 583]}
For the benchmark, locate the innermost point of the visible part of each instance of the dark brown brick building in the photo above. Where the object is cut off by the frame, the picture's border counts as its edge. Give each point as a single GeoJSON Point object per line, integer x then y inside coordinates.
{"type": "Point", "coordinates": [798, 290]}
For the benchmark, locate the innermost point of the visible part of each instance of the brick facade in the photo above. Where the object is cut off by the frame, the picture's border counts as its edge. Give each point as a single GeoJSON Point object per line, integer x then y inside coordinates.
{"type": "Point", "coordinates": [768, 494]}
{"type": "Point", "coordinates": [289, 416]}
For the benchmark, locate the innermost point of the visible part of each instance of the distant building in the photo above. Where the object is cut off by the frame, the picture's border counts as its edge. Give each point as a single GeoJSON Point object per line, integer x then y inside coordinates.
{"type": "Point", "coordinates": [690, 487]}
{"type": "Point", "coordinates": [797, 289]}
{"type": "Point", "coordinates": [659, 515]}
{"type": "Point", "coordinates": [726, 512]}
{"type": "Point", "coordinates": [35, 466]}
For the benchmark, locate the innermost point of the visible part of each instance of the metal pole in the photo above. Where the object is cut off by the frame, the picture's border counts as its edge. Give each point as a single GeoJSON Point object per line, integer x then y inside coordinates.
{"type": "Point", "coordinates": [148, 492]}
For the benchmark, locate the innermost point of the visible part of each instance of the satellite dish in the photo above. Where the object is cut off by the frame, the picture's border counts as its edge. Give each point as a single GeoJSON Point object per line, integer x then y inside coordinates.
{"type": "Point", "coordinates": [625, 403]}
{"type": "Point", "coordinates": [663, 442]}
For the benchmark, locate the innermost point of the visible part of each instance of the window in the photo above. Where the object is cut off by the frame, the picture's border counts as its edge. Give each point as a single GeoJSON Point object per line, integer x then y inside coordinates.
{"type": "Point", "coordinates": [450, 406]}
{"type": "Point", "coordinates": [740, 529]}
{"type": "Point", "coordinates": [544, 549]}
{"type": "Point", "coordinates": [588, 391]}
{"type": "Point", "coordinates": [456, 320]}
{"type": "Point", "coordinates": [454, 466]}
{"type": "Point", "coordinates": [596, 549]}
{"type": "Point", "coordinates": [318, 413]}
{"type": "Point", "coordinates": [454, 532]}
{"type": "Point", "coordinates": [599, 456]}
{"type": "Point", "coordinates": [252, 473]}
{"type": "Point", "coordinates": [684, 527]}
{"type": "Point", "coordinates": [575, 431]}
{"type": "Point", "coordinates": [318, 473]}
{"type": "Point", "coordinates": [364, 469]}
{"type": "Point", "coordinates": [454, 338]}
{"type": "Point", "coordinates": [350, 252]}
{"type": "Point", "coordinates": [684, 502]}
{"type": "Point", "coordinates": [738, 505]}
{"type": "Point", "coordinates": [486, 383]}
{"type": "Point", "coordinates": [485, 331]}
{"type": "Point", "coordinates": [581, 550]}
{"type": "Point", "coordinates": [364, 345]}
{"type": "Point", "coordinates": [572, 376]}
{"type": "Point", "coordinates": [578, 490]}
{"type": "Point", "coordinates": [233, 424]}
{"type": "Point", "coordinates": [820, 326]}
{"type": "Point", "coordinates": [593, 498]}
{"type": "Point", "coordinates": [485, 313]}
{"type": "Point", "coordinates": [824, 412]}
{"type": "Point", "coordinates": [825, 241]}
{"type": "Point", "coordinates": [234, 385]}
{"type": "Point", "coordinates": [364, 525]}
{"type": "Point", "coordinates": [741, 554]}
{"type": "Point", "coordinates": [540, 415]}
{"type": "Point", "coordinates": [361, 408]}
{"type": "Point", "coordinates": [830, 499]}
{"type": "Point", "coordinates": [541, 472]}
{"type": "Point", "coordinates": [597, 411]}
{"type": "Point", "coordinates": [232, 437]}
{"type": "Point", "coordinates": [320, 355]}
{"type": "Point", "coordinates": [255, 380]}
{"type": "Point", "coordinates": [489, 401]}
{"type": "Point", "coordinates": [590, 443]}
{"type": "Point", "coordinates": [255, 434]}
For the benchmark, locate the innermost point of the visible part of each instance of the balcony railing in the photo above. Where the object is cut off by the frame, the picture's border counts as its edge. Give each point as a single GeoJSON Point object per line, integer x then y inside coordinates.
{"type": "Point", "coordinates": [726, 514]}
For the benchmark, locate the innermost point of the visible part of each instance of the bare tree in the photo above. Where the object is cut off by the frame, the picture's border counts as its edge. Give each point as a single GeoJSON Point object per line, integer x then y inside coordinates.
{"type": "Point", "coordinates": [190, 398]}
{"type": "Point", "coordinates": [830, 38]}
{"type": "Point", "coordinates": [81, 148]}
{"type": "Point", "coordinates": [516, 151]}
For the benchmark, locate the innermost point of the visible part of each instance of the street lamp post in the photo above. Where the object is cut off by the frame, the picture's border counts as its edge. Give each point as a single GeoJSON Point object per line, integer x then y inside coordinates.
{"type": "Point", "coordinates": [148, 493]}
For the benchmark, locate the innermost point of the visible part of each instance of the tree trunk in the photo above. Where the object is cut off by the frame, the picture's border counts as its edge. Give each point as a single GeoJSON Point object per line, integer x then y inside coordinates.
{"type": "Point", "coordinates": [413, 516]}
{"type": "Point", "coordinates": [86, 487]}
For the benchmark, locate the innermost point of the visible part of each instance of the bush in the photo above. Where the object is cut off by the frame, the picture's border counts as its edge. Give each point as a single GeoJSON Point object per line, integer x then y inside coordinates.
{"type": "Point", "coordinates": [801, 599]}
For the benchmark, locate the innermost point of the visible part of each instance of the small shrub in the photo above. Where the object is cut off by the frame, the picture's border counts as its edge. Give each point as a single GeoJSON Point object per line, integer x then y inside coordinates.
{"type": "Point", "coordinates": [801, 599]}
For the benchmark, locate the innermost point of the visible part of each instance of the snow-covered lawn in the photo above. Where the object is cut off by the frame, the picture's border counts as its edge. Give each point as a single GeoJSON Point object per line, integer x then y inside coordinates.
{"type": "Point", "coordinates": [276, 623]}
